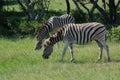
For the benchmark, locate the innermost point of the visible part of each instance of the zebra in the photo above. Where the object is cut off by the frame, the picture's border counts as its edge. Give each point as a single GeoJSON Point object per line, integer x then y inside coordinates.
{"type": "Point", "coordinates": [77, 34]}
{"type": "Point", "coordinates": [53, 24]}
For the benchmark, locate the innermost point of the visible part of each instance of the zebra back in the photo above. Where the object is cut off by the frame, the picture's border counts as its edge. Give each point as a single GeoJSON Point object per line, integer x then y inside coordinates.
{"type": "Point", "coordinates": [84, 33]}
{"type": "Point", "coordinates": [80, 33]}
{"type": "Point", "coordinates": [54, 23]}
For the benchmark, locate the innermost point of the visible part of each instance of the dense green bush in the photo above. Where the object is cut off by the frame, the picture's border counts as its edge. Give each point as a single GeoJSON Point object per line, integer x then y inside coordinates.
{"type": "Point", "coordinates": [27, 27]}
{"type": "Point", "coordinates": [9, 26]}
{"type": "Point", "coordinates": [78, 17]}
{"type": "Point", "coordinates": [114, 34]}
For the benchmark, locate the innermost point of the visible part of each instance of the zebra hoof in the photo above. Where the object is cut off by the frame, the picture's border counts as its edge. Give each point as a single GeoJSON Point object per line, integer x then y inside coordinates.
{"type": "Point", "coordinates": [108, 60]}
{"type": "Point", "coordinates": [72, 60]}
{"type": "Point", "coordinates": [98, 60]}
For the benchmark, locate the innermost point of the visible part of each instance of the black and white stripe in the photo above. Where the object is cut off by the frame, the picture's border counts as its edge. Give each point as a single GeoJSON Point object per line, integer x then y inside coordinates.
{"type": "Point", "coordinates": [79, 34]}
{"type": "Point", "coordinates": [53, 24]}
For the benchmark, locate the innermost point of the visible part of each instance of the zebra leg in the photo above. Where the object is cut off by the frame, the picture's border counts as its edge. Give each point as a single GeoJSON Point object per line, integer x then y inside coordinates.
{"type": "Point", "coordinates": [71, 51]}
{"type": "Point", "coordinates": [64, 50]}
{"type": "Point", "coordinates": [106, 48]}
{"type": "Point", "coordinates": [100, 50]}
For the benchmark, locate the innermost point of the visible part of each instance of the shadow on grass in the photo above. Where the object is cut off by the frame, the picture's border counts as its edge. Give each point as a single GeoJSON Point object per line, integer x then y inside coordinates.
{"type": "Point", "coordinates": [87, 62]}
{"type": "Point", "coordinates": [76, 62]}
{"type": "Point", "coordinates": [96, 62]}
{"type": "Point", "coordinates": [14, 14]}
{"type": "Point", "coordinates": [9, 2]}
{"type": "Point", "coordinates": [117, 60]}
{"type": "Point", "coordinates": [16, 37]}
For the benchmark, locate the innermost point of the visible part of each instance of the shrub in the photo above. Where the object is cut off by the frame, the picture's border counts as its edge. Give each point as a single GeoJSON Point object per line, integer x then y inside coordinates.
{"type": "Point", "coordinates": [114, 34]}
{"type": "Point", "coordinates": [78, 17]}
{"type": "Point", "coordinates": [27, 27]}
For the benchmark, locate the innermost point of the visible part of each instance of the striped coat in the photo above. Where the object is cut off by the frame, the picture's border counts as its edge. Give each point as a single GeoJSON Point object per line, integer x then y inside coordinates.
{"type": "Point", "coordinates": [53, 24]}
{"type": "Point", "coordinates": [78, 34]}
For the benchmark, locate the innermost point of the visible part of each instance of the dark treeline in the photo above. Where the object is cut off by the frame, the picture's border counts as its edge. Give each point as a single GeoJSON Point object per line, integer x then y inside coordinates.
{"type": "Point", "coordinates": [34, 12]}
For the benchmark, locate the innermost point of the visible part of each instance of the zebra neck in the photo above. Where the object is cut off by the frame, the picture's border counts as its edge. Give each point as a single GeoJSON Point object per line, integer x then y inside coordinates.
{"type": "Point", "coordinates": [43, 33]}
{"type": "Point", "coordinates": [48, 27]}
{"type": "Point", "coordinates": [45, 30]}
{"type": "Point", "coordinates": [56, 38]}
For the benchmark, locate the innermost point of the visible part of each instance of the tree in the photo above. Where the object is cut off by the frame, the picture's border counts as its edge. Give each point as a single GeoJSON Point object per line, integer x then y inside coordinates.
{"type": "Point", "coordinates": [78, 7]}
{"type": "Point", "coordinates": [113, 10]}
{"type": "Point", "coordinates": [1, 10]}
{"type": "Point", "coordinates": [34, 9]}
{"type": "Point", "coordinates": [4, 26]}
{"type": "Point", "coordinates": [109, 17]}
{"type": "Point", "coordinates": [68, 6]}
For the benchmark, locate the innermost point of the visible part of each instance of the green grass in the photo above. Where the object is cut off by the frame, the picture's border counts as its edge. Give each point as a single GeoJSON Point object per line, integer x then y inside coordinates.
{"type": "Point", "coordinates": [19, 61]}
{"type": "Point", "coordinates": [60, 5]}
{"type": "Point", "coordinates": [54, 5]}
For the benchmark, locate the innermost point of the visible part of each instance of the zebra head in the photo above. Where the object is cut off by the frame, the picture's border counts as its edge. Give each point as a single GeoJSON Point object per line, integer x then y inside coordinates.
{"type": "Point", "coordinates": [48, 49]}
{"type": "Point", "coordinates": [38, 44]}
{"type": "Point", "coordinates": [40, 34]}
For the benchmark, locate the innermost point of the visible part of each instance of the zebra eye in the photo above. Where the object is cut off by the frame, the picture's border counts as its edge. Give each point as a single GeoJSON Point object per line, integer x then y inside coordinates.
{"type": "Point", "coordinates": [44, 45]}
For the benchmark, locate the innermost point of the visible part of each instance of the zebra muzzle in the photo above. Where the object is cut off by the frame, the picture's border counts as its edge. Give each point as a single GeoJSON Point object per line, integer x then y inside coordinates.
{"type": "Point", "coordinates": [45, 57]}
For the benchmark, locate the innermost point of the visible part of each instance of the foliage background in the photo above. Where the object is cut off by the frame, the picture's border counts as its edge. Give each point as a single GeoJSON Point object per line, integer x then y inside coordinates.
{"type": "Point", "coordinates": [14, 20]}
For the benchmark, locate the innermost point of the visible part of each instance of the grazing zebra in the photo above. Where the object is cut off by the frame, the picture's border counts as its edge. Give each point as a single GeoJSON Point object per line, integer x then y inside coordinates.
{"type": "Point", "coordinates": [52, 25]}
{"type": "Point", "coordinates": [79, 34]}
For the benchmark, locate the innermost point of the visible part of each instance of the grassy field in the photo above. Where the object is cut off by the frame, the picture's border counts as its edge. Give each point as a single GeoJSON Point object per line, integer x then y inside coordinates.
{"type": "Point", "coordinates": [19, 61]}
{"type": "Point", "coordinates": [54, 5]}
